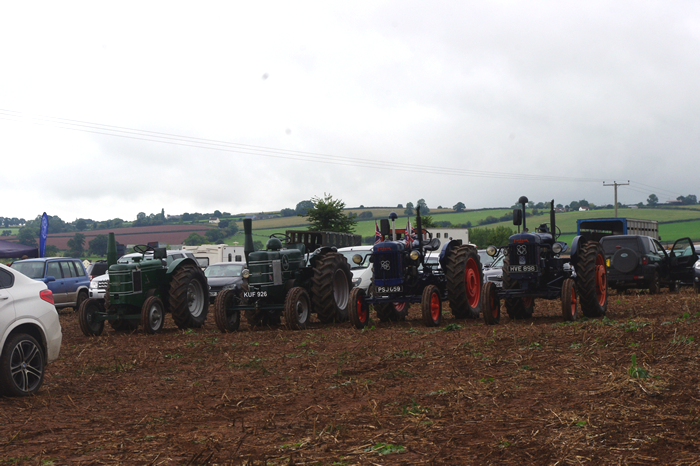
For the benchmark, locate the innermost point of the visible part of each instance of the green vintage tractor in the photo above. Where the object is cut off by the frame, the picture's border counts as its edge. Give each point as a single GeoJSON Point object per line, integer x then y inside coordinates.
{"type": "Point", "coordinates": [144, 287]}
{"type": "Point", "coordinates": [305, 275]}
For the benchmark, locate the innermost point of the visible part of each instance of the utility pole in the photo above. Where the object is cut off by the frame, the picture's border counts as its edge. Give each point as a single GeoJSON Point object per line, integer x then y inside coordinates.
{"type": "Point", "coordinates": [616, 184]}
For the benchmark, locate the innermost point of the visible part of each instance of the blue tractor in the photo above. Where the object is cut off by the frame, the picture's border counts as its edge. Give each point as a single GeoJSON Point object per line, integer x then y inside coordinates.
{"type": "Point", "coordinates": [403, 275]}
{"type": "Point", "coordinates": [535, 266]}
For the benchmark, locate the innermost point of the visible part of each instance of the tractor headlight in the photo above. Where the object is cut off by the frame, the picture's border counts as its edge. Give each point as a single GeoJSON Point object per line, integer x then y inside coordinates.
{"type": "Point", "coordinates": [556, 248]}
{"type": "Point", "coordinates": [245, 273]}
{"type": "Point", "coordinates": [357, 259]}
{"type": "Point", "coordinates": [491, 251]}
{"type": "Point", "coordinates": [414, 255]}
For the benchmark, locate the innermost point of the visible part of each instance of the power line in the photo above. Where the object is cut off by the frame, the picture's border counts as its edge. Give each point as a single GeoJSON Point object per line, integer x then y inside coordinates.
{"type": "Point", "coordinates": [249, 149]}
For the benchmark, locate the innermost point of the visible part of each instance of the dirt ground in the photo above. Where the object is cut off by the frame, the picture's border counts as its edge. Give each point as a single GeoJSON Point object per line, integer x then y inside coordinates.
{"type": "Point", "coordinates": [535, 392]}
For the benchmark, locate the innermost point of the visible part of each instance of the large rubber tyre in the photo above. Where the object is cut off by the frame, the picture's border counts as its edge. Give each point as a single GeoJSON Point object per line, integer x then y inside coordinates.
{"type": "Point", "coordinates": [87, 311]}
{"type": "Point", "coordinates": [330, 287]}
{"type": "Point", "coordinates": [297, 308]}
{"type": "Point", "coordinates": [592, 280]}
{"type": "Point", "coordinates": [625, 260]}
{"type": "Point", "coordinates": [431, 306]}
{"type": "Point", "coordinates": [517, 308]}
{"type": "Point", "coordinates": [358, 309]}
{"type": "Point", "coordinates": [188, 300]}
{"type": "Point", "coordinates": [82, 297]}
{"type": "Point", "coordinates": [490, 305]}
{"type": "Point", "coordinates": [391, 312]}
{"type": "Point", "coordinates": [655, 284]}
{"type": "Point", "coordinates": [570, 309]}
{"type": "Point", "coordinates": [153, 315]}
{"type": "Point", "coordinates": [464, 281]}
{"type": "Point", "coordinates": [227, 320]}
{"type": "Point", "coordinates": [21, 366]}
{"type": "Point", "coordinates": [123, 325]}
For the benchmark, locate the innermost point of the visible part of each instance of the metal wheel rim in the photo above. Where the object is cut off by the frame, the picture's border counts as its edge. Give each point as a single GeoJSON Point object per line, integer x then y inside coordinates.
{"type": "Point", "coordinates": [155, 316]}
{"type": "Point", "coordinates": [399, 307]}
{"type": "Point", "coordinates": [302, 309]}
{"type": "Point", "coordinates": [89, 314]}
{"type": "Point", "coordinates": [572, 303]}
{"type": "Point", "coordinates": [26, 366]}
{"type": "Point", "coordinates": [601, 286]}
{"type": "Point", "coordinates": [472, 283]}
{"type": "Point", "coordinates": [361, 309]}
{"type": "Point", "coordinates": [195, 298]}
{"type": "Point", "coordinates": [341, 290]}
{"type": "Point", "coordinates": [492, 304]}
{"type": "Point", "coordinates": [434, 306]}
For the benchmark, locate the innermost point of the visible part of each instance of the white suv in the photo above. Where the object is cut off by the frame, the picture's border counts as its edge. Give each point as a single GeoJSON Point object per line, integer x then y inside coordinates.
{"type": "Point", "coordinates": [362, 273]}
{"type": "Point", "coordinates": [30, 333]}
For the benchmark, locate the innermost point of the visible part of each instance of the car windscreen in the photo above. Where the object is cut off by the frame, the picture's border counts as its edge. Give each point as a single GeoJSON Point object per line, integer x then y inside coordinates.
{"type": "Point", "coordinates": [485, 258]}
{"type": "Point", "coordinates": [30, 269]}
{"type": "Point", "coordinates": [610, 246]}
{"type": "Point", "coordinates": [226, 270]}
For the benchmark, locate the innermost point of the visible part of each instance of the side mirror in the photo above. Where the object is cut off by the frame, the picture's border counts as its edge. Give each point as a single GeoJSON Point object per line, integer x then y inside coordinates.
{"type": "Point", "coordinates": [50, 278]}
{"type": "Point", "coordinates": [517, 217]}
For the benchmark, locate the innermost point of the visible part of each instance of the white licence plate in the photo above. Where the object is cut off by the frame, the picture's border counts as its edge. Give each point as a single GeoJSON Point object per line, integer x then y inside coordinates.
{"type": "Point", "coordinates": [390, 289]}
{"type": "Point", "coordinates": [522, 268]}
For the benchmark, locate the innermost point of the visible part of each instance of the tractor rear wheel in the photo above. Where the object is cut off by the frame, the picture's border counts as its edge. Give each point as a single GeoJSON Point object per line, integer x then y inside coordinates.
{"type": "Point", "coordinates": [431, 306]}
{"type": "Point", "coordinates": [491, 306]}
{"type": "Point", "coordinates": [330, 287]}
{"type": "Point", "coordinates": [152, 315]}
{"type": "Point", "coordinates": [358, 309]}
{"type": "Point", "coordinates": [569, 301]}
{"type": "Point", "coordinates": [227, 320]}
{"type": "Point", "coordinates": [464, 278]}
{"type": "Point", "coordinates": [592, 280]}
{"type": "Point", "coordinates": [297, 309]}
{"type": "Point", "coordinates": [391, 312]}
{"type": "Point", "coordinates": [517, 308]}
{"type": "Point", "coordinates": [188, 302]}
{"type": "Point", "coordinates": [86, 318]}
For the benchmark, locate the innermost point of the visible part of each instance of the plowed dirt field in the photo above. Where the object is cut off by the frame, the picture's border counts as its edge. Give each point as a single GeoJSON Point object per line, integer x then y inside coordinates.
{"type": "Point", "coordinates": [523, 392]}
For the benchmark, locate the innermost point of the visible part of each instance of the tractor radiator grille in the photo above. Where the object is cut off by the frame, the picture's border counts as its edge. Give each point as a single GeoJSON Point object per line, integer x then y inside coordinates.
{"type": "Point", "coordinates": [523, 254]}
{"type": "Point", "coordinates": [387, 269]}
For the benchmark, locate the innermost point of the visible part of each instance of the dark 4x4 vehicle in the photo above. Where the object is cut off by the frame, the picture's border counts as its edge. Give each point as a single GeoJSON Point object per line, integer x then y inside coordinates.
{"type": "Point", "coordinates": [636, 261]}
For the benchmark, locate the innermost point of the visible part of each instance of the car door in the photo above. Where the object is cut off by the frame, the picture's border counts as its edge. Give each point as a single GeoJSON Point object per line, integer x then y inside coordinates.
{"type": "Point", "coordinates": [7, 306]}
{"type": "Point", "coordinates": [70, 279]}
{"type": "Point", "coordinates": [57, 286]}
{"type": "Point", "coordinates": [660, 257]}
{"type": "Point", "coordinates": [681, 265]}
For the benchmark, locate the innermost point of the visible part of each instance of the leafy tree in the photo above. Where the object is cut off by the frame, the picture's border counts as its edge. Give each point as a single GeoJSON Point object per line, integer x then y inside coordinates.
{"type": "Point", "coordinates": [287, 212]}
{"type": "Point", "coordinates": [487, 220]}
{"type": "Point", "coordinates": [423, 207]}
{"type": "Point", "coordinates": [6, 232]}
{"type": "Point", "coordinates": [195, 239]}
{"type": "Point", "coordinates": [50, 251]}
{"type": "Point", "coordinates": [217, 213]}
{"type": "Point", "coordinates": [215, 235]}
{"type": "Point", "coordinates": [28, 236]}
{"type": "Point", "coordinates": [98, 245]}
{"type": "Point", "coordinates": [303, 207]}
{"type": "Point", "coordinates": [459, 207]}
{"type": "Point", "coordinates": [426, 221]}
{"type": "Point", "coordinates": [484, 237]}
{"type": "Point", "coordinates": [653, 200]}
{"type": "Point", "coordinates": [258, 246]}
{"type": "Point", "coordinates": [687, 200]}
{"type": "Point", "coordinates": [80, 224]}
{"type": "Point", "coordinates": [232, 229]}
{"type": "Point", "coordinates": [409, 209]}
{"type": "Point", "coordinates": [223, 224]}
{"type": "Point", "coordinates": [365, 214]}
{"type": "Point", "coordinates": [362, 206]}
{"type": "Point", "coordinates": [399, 206]}
{"type": "Point", "coordinates": [76, 245]}
{"type": "Point", "coordinates": [327, 215]}
{"type": "Point", "coordinates": [574, 205]}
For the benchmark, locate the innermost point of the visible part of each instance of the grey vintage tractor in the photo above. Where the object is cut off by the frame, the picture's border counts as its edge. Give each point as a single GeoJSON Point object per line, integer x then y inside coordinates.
{"type": "Point", "coordinates": [535, 267]}
{"type": "Point", "coordinates": [143, 287]}
{"type": "Point", "coordinates": [403, 276]}
{"type": "Point", "coordinates": [304, 275]}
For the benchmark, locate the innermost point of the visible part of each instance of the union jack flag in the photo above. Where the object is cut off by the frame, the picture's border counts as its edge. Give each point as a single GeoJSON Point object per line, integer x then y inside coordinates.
{"type": "Point", "coordinates": [409, 235]}
{"type": "Point", "coordinates": [377, 233]}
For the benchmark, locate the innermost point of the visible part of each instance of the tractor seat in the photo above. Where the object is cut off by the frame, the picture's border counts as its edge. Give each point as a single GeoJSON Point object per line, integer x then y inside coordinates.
{"type": "Point", "coordinates": [432, 245]}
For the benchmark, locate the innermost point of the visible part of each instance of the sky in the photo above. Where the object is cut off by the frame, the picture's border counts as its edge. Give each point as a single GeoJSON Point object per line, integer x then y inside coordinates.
{"type": "Point", "coordinates": [108, 109]}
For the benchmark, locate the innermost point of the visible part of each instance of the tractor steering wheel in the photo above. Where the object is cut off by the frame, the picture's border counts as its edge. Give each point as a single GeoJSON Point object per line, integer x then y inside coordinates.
{"type": "Point", "coordinates": [143, 248]}
{"type": "Point", "coordinates": [282, 236]}
{"type": "Point", "coordinates": [556, 234]}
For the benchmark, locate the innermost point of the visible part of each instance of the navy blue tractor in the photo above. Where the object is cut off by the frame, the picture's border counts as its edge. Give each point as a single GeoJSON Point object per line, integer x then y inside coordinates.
{"type": "Point", "coordinates": [403, 274]}
{"type": "Point", "coordinates": [535, 266]}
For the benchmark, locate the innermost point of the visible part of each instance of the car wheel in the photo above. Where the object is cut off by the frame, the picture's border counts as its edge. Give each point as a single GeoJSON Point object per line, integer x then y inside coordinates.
{"type": "Point", "coordinates": [21, 366]}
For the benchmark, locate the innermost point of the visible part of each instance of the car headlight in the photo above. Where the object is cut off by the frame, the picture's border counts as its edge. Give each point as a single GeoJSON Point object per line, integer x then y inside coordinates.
{"type": "Point", "coordinates": [491, 250]}
{"type": "Point", "coordinates": [93, 285]}
{"type": "Point", "coordinates": [245, 273]}
{"type": "Point", "coordinates": [414, 255]}
{"type": "Point", "coordinates": [697, 265]}
{"type": "Point", "coordinates": [356, 281]}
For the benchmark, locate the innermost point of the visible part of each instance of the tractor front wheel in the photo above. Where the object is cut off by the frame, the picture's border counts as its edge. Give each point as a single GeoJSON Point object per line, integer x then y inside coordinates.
{"type": "Point", "coordinates": [297, 310]}
{"type": "Point", "coordinates": [431, 306]}
{"type": "Point", "coordinates": [391, 312]}
{"type": "Point", "coordinates": [86, 318]}
{"type": "Point", "coordinates": [490, 304]}
{"type": "Point", "coordinates": [330, 287]}
{"type": "Point", "coordinates": [464, 278]}
{"type": "Point", "coordinates": [592, 280]}
{"type": "Point", "coordinates": [358, 309]}
{"type": "Point", "coordinates": [517, 308]}
{"type": "Point", "coordinates": [188, 302]}
{"type": "Point", "coordinates": [569, 301]}
{"type": "Point", "coordinates": [152, 315]}
{"type": "Point", "coordinates": [227, 320]}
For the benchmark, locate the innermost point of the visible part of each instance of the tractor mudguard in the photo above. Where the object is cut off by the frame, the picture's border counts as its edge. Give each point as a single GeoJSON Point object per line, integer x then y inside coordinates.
{"type": "Point", "coordinates": [320, 251]}
{"type": "Point", "coordinates": [575, 245]}
{"type": "Point", "coordinates": [446, 250]}
{"type": "Point", "coordinates": [177, 262]}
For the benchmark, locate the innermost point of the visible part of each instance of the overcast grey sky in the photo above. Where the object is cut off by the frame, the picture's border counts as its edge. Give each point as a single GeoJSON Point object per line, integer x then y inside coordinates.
{"type": "Point", "coordinates": [447, 101]}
